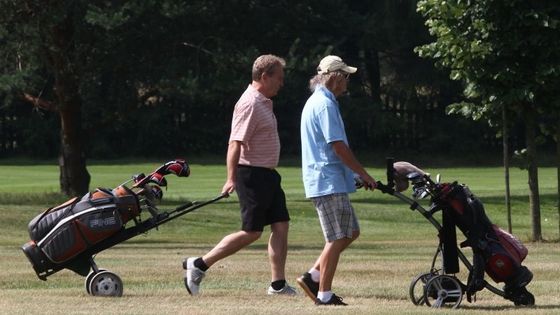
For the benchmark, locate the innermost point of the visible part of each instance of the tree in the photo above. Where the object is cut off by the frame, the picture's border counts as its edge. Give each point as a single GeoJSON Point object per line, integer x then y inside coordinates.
{"type": "Point", "coordinates": [550, 126]}
{"type": "Point", "coordinates": [41, 41]}
{"type": "Point", "coordinates": [160, 77]}
{"type": "Point", "coordinates": [506, 55]}
{"type": "Point", "coordinates": [110, 69]}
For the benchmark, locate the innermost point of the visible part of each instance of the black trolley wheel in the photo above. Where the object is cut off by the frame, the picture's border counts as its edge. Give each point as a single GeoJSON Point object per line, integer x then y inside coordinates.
{"type": "Point", "coordinates": [418, 286]}
{"type": "Point", "coordinates": [443, 291]}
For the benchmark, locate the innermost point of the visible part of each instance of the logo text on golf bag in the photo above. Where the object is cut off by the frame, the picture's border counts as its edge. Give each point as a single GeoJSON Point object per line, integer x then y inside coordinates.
{"type": "Point", "coordinates": [102, 222]}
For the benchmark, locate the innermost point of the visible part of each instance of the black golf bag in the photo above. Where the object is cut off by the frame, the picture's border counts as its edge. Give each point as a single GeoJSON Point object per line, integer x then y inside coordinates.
{"type": "Point", "coordinates": [495, 251]}
{"type": "Point", "coordinates": [63, 232]}
{"type": "Point", "coordinates": [68, 235]}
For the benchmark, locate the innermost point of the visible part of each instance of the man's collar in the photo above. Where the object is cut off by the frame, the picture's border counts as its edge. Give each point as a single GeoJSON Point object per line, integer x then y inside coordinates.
{"type": "Point", "coordinates": [258, 94]}
{"type": "Point", "coordinates": [324, 90]}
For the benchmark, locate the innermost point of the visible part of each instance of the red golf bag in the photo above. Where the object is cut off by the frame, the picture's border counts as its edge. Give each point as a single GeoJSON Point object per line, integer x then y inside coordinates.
{"type": "Point", "coordinates": [495, 251]}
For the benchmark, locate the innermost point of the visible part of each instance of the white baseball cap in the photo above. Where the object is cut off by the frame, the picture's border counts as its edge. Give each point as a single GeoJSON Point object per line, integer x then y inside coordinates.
{"type": "Point", "coordinates": [333, 63]}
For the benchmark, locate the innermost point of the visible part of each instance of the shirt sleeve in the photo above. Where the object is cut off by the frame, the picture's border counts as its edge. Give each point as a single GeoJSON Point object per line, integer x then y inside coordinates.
{"type": "Point", "coordinates": [330, 123]}
{"type": "Point", "coordinates": [243, 123]}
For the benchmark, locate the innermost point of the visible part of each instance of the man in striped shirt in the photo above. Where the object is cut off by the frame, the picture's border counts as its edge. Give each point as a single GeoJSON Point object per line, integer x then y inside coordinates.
{"type": "Point", "coordinates": [253, 153]}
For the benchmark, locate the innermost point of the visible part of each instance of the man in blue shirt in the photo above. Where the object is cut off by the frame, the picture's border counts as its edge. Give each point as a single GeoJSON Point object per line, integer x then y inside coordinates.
{"type": "Point", "coordinates": [329, 168]}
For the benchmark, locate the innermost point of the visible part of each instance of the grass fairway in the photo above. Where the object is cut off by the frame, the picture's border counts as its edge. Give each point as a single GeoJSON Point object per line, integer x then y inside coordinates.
{"type": "Point", "coordinates": [373, 276]}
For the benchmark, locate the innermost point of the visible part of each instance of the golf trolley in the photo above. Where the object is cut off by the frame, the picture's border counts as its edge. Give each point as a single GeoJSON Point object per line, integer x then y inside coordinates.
{"type": "Point", "coordinates": [68, 236]}
{"type": "Point", "coordinates": [495, 251]}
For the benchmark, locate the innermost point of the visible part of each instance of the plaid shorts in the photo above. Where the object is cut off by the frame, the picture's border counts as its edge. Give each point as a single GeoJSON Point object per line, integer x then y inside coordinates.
{"type": "Point", "coordinates": [337, 217]}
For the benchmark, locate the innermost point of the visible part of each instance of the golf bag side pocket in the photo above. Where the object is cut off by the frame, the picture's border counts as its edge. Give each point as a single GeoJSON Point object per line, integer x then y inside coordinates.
{"type": "Point", "coordinates": [511, 244]}
{"type": "Point", "coordinates": [504, 256]}
{"type": "Point", "coordinates": [63, 244]}
{"type": "Point", "coordinates": [94, 218]}
{"type": "Point", "coordinates": [43, 223]}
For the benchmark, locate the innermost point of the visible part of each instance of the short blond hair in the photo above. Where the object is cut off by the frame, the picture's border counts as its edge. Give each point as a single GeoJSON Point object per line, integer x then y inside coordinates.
{"type": "Point", "coordinates": [266, 64]}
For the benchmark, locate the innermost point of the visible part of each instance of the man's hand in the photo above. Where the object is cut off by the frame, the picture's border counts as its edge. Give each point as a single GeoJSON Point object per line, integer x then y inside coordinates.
{"type": "Point", "coordinates": [368, 182]}
{"type": "Point", "coordinates": [229, 187]}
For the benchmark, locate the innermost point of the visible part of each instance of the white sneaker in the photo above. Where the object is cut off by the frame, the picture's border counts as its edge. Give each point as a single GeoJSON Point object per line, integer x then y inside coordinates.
{"type": "Point", "coordinates": [193, 275]}
{"type": "Point", "coordinates": [286, 290]}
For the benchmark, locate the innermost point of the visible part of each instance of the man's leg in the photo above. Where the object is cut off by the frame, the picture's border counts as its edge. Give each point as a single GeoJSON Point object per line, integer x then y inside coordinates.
{"type": "Point", "coordinates": [317, 264]}
{"type": "Point", "coordinates": [278, 249]}
{"type": "Point", "coordinates": [277, 252]}
{"type": "Point", "coordinates": [310, 280]}
{"type": "Point", "coordinates": [328, 260]}
{"type": "Point", "coordinates": [229, 245]}
{"type": "Point", "coordinates": [196, 266]}
{"type": "Point", "coordinates": [340, 228]}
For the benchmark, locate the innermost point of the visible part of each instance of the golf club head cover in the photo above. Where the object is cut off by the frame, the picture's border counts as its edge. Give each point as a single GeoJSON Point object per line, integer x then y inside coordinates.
{"type": "Point", "coordinates": [402, 169]}
{"type": "Point", "coordinates": [138, 177]}
{"type": "Point", "coordinates": [178, 167]}
{"type": "Point", "coordinates": [158, 179]}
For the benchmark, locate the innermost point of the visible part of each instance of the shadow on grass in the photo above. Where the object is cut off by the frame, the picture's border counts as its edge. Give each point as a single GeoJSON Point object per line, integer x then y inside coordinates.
{"type": "Point", "coordinates": [509, 307]}
{"type": "Point", "coordinates": [545, 198]}
{"type": "Point", "coordinates": [48, 199]}
{"type": "Point", "coordinates": [148, 244]}
{"type": "Point", "coordinates": [471, 307]}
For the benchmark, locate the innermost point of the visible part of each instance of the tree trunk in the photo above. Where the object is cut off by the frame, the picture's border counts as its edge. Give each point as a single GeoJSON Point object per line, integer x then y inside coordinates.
{"type": "Point", "coordinates": [74, 177]}
{"type": "Point", "coordinates": [505, 142]}
{"type": "Point", "coordinates": [558, 175]}
{"type": "Point", "coordinates": [534, 200]}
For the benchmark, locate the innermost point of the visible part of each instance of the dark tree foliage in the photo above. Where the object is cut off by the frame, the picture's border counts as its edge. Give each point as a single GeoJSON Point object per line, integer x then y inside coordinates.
{"type": "Point", "coordinates": [507, 55]}
{"type": "Point", "coordinates": [159, 78]}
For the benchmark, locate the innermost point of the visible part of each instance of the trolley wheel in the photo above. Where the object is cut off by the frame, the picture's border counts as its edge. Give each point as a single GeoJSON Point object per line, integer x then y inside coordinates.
{"type": "Point", "coordinates": [89, 277]}
{"type": "Point", "coordinates": [105, 283]}
{"type": "Point", "coordinates": [442, 291]}
{"type": "Point", "coordinates": [418, 286]}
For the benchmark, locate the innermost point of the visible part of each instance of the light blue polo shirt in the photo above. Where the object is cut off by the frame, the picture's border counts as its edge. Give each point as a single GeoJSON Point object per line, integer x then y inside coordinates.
{"type": "Point", "coordinates": [323, 171]}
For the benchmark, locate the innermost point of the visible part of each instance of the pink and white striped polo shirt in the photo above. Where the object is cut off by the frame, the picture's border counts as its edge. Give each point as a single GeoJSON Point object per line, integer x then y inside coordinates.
{"type": "Point", "coordinates": [254, 124]}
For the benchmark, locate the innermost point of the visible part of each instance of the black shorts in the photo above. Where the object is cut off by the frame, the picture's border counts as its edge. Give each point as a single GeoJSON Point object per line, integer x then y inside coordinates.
{"type": "Point", "coordinates": [261, 197]}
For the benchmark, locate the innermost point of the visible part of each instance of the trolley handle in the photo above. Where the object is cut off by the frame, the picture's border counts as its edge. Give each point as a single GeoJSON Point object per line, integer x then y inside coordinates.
{"type": "Point", "coordinates": [200, 204]}
{"type": "Point", "coordinates": [390, 172]}
{"type": "Point", "coordinates": [386, 189]}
